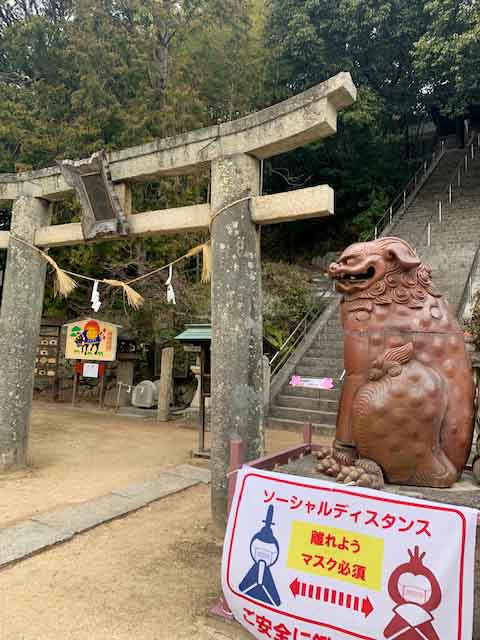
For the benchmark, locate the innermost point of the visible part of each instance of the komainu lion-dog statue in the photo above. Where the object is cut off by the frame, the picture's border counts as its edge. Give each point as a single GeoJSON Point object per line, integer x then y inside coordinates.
{"type": "Point", "coordinates": [407, 405]}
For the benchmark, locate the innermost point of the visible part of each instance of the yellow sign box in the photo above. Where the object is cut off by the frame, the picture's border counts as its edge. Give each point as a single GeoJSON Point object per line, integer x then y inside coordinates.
{"type": "Point", "coordinates": [92, 340]}
{"type": "Point", "coordinates": [335, 553]}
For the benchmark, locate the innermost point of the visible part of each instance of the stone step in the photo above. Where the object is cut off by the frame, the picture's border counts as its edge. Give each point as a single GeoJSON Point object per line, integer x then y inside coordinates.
{"type": "Point", "coordinates": [293, 425]}
{"type": "Point", "coordinates": [297, 402]}
{"type": "Point", "coordinates": [334, 340]}
{"type": "Point", "coordinates": [304, 415]}
{"type": "Point", "coordinates": [315, 354]}
{"type": "Point", "coordinates": [320, 363]}
{"type": "Point", "coordinates": [332, 345]}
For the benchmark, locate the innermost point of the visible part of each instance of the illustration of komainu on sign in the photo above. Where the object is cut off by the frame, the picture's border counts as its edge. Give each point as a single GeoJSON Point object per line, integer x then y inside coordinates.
{"type": "Point", "coordinates": [416, 592]}
{"type": "Point", "coordinates": [309, 559]}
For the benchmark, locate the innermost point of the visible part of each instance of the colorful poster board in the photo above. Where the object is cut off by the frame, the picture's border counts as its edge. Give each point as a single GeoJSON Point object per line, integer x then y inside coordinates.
{"type": "Point", "coordinates": [92, 340]}
{"type": "Point", "coordinates": [307, 559]}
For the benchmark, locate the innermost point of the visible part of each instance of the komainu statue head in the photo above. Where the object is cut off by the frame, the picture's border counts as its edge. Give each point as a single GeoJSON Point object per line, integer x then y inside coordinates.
{"type": "Point", "coordinates": [385, 270]}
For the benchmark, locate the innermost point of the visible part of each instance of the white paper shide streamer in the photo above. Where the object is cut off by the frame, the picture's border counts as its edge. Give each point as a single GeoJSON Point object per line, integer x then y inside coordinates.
{"type": "Point", "coordinates": [95, 299]}
{"type": "Point", "coordinates": [170, 292]}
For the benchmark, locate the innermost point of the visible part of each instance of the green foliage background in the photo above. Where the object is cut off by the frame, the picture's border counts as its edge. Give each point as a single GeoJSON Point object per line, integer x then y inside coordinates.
{"type": "Point", "coordinates": [81, 75]}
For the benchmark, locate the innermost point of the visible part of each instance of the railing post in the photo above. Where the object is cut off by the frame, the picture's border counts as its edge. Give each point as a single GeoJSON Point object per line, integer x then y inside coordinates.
{"type": "Point", "coordinates": [236, 460]}
{"type": "Point", "coordinates": [429, 234]}
{"type": "Point", "coordinates": [459, 179]}
{"type": "Point", "coordinates": [404, 199]}
{"type": "Point", "coordinates": [376, 232]}
{"type": "Point", "coordinates": [440, 211]}
{"type": "Point", "coordinates": [443, 145]}
{"type": "Point", "coordinates": [391, 214]}
{"type": "Point", "coordinates": [307, 434]}
{"type": "Point", "coordinates": [450, 193]}
{"type": "Point", "coordinates": [425, 165]}
{"type": "Point", "coordinates": [472, 151]}
{"type": "Point", "coordinates": [466, 162]}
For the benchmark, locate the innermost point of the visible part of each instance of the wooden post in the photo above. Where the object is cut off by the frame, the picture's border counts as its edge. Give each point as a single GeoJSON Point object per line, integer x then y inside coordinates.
{"type": "Point", "coordinates": [237, 330]}
{"type": "Point", "coordinates": [102, 390]}
{"type": "Point", "coordinates": [201, 417]}
{"type": "Point", "coordinates": [165, 384]}
{"type": "Point", "coordinates": [75, 385]}
{"type": "Point", "coordinates": [20, 319]}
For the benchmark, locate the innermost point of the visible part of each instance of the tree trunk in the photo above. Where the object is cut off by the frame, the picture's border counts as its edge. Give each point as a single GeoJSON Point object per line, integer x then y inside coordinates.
{"type": "Point", "coordinates": [161, 69]}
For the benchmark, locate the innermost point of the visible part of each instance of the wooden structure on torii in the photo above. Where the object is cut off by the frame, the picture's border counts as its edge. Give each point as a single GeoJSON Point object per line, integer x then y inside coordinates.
{"type": "Point", "coordinates": [233, 151]}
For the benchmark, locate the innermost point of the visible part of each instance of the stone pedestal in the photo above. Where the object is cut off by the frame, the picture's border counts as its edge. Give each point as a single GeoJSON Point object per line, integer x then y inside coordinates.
{"type": "Point", "coordinates": [237, 331]}
{"type": "Point", "coordinates": [195, 404]}
{"type": "Point", "coordinates": [165, 391]}
{"type": "Point", "coordinates": [20, 320]}
{"type": "Point", "coordinates": [125, 371]}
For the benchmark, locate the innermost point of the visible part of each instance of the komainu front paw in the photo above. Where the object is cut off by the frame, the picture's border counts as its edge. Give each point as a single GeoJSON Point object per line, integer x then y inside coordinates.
{"type": "Point", "coordinates": [327, 463]}
{"type": "Point", "coordinates": [344, 454]}
{"type": "Point", "coordinates": [364, 473]}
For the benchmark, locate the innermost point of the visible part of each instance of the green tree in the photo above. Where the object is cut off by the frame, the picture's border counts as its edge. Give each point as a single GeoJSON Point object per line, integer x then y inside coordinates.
{"type": "Point", "coordinates": [372, 39]}
{"type": "Point", "coordinates": [447, 56]}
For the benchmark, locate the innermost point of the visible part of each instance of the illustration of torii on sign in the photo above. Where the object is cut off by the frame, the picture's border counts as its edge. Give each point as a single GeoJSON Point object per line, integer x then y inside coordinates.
{"type": "Point", "coordinates": [306, 559]}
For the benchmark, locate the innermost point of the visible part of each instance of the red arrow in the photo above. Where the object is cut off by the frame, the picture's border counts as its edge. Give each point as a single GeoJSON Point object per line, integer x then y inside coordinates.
{"type": "Point", "coordinates": [367, 606]}
{"type": "Point", "coordinates": [331, 596]}
{"type": "Point", "coordinates": [295, 587]}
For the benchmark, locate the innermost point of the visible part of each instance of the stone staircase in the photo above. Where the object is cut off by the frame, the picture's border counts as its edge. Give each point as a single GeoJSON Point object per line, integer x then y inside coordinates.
{"type": "Point", "coordinates": [455, 240]}
{"type": "Point", "coordinates": [296, 405]}
{"type": "Point", "coordinates": [454, 243]}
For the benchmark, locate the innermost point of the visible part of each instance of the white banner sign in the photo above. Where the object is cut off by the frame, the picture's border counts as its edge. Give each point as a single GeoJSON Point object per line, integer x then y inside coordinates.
{"type": "Point", "coordinates": [90, 370]}
{"type": "Point", "coordinates": [312, 560]}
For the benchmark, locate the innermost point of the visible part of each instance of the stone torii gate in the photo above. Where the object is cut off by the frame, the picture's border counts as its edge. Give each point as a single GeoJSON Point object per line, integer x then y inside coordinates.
{"type": "Point", "coordinates": [233, 151]}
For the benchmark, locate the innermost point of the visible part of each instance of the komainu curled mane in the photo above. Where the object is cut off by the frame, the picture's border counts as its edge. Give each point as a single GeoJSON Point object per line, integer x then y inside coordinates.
{"type": "Point", "coordinates": [407, 405]}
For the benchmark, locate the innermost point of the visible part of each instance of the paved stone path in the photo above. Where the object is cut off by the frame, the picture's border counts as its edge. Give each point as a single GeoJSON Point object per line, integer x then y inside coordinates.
{"type": "Point", "coordinates": [47, 529]}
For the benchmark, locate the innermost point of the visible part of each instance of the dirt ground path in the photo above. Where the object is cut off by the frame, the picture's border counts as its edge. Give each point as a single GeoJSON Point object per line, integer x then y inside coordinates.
{"type": "Point", "coordinates": [149, 576]}
{"type": "Point", "coordinates": [77, 454]}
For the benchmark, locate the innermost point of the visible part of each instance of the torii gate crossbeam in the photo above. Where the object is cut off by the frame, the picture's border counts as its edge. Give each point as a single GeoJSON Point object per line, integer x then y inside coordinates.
{"type": "Point", "coordinates": [233, 151]}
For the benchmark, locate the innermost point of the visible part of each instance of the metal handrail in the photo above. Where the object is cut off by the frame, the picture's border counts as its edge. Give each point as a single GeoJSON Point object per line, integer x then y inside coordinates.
{"type": "Point", "coordinates": [283, 355]}
{"type": "Point", "coordinates": [467, 295]}
{"type": "Point", "coordinates": [399, 203]}
{"type": "Point", "coordinates": [455, 176]}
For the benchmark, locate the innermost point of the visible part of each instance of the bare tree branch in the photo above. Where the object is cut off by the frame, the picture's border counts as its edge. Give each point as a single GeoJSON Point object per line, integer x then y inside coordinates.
{"type": "Point", "coordinates": [292, 181]}
{"type": "Point", "coordinates": [15, 79]}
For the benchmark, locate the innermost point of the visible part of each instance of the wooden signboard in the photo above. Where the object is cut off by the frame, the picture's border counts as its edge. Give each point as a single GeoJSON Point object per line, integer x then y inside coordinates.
{"type": "Point", "coordinates": [47, 357]}
{"type": "Point", "coordinates": [92, 340]}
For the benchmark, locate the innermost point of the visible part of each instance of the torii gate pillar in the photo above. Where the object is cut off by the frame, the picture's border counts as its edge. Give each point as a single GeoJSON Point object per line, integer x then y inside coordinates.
{"type": "Point", "coordinates": [20, 320]}
{"type": "Point", "coordinates": [237, 330]}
